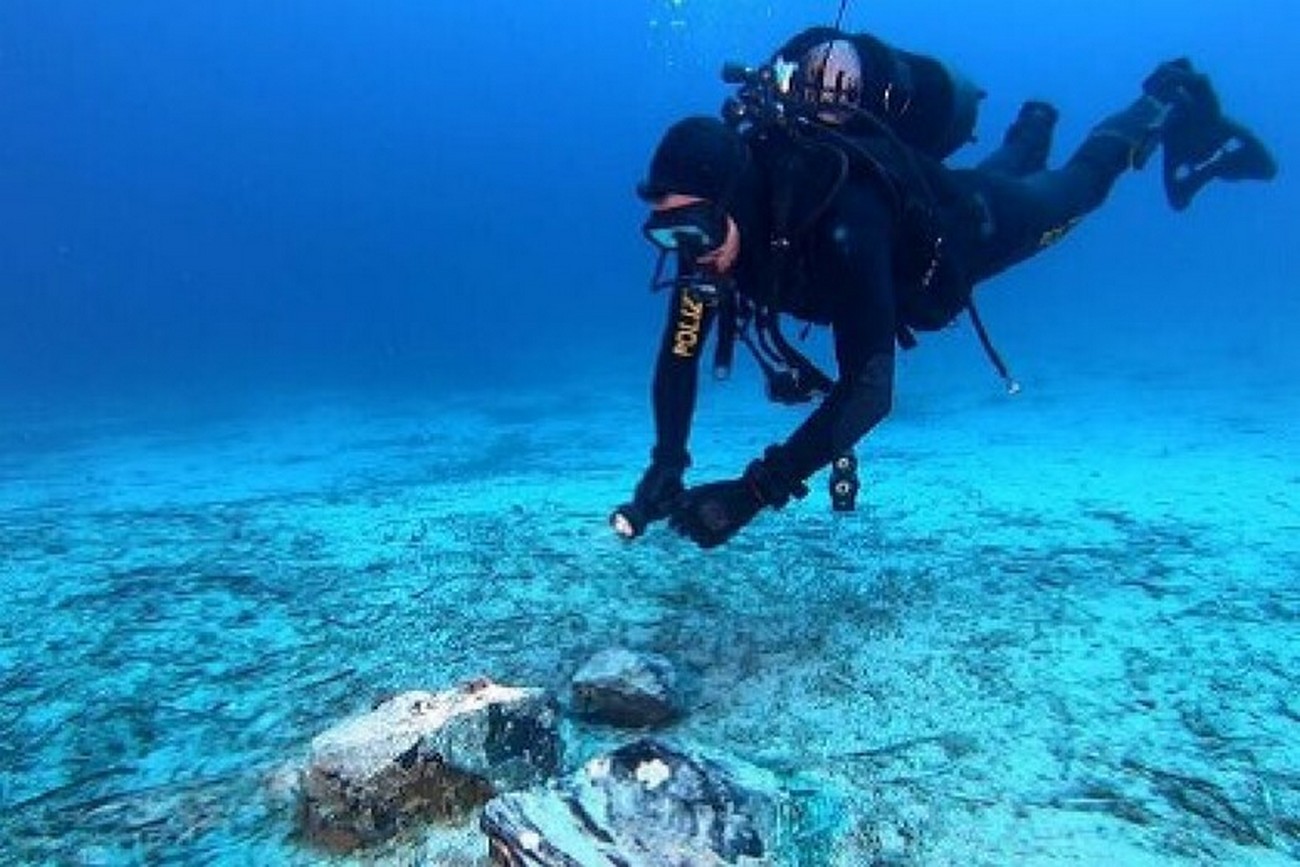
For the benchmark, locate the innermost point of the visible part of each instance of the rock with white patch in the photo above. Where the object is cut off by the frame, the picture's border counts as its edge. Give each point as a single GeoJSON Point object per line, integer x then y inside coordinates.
{"type": "Point", "coordinates": [649, 804]}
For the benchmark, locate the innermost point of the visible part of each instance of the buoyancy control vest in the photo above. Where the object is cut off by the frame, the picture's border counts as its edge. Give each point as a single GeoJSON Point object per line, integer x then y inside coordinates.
{"type": "Point", "coordinates": [937, 222]}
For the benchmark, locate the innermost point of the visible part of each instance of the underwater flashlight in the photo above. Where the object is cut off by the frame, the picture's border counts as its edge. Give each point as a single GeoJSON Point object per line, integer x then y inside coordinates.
{"type": "Point", "coordinates": [627, 521]}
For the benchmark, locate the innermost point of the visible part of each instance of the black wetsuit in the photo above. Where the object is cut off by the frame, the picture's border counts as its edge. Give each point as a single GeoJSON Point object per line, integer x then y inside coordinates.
{"type": "Point", "coordinates": [853, 270]}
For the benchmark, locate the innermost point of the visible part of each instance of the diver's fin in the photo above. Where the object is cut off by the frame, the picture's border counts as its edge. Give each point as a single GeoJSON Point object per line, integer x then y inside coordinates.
{"type": "Point", "coordinates": [1200, 143]}
{"type": "Point", "coordinates": [1227, 151]}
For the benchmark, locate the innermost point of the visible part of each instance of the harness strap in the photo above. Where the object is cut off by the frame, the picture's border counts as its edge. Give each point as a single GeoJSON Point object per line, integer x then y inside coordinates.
{"type": "Point", "coordinates": [724, 351]}
{"type": "Point", "coordinates": [1013, 387]}
{"type": "Point", "coordinates": [763, 355]}
{"type": "Point", "coordinates": [810, 375]}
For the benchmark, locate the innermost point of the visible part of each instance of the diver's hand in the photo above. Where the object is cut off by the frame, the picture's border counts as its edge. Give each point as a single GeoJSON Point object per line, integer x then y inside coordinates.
{"type": "Point", "coordinates": [653, 499]}
{"type": "Point", "coordinates": [711, 514]}
{"type": "Point", "coordinates": [720, 260]}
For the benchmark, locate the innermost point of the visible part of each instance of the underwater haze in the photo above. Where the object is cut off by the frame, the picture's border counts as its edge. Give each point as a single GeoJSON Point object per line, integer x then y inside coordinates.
{"type": "Point", "coordinates": [326, 341]}
{"type": "Point", "coordinates": [235, 197]}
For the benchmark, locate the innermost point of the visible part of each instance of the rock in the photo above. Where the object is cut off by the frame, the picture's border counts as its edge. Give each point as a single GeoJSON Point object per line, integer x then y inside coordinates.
{"type": "Point", "coordinates": [283, 786]}
{"type": "Point", "coordinates": [632, 690]}
{"type": "Point", "coordinates": [423, 756]}
{"type": "Point", "coordinates": [649, 804]}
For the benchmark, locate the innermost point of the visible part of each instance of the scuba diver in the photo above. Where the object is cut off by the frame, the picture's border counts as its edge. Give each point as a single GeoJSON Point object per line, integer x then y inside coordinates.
{"type": "Point", "coordinates": [821, 194]}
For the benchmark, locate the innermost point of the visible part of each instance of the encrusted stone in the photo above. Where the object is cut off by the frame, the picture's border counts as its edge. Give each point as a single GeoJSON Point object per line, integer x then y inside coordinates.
{"type": "Point", "coordinates": [423, 756]}
{"type": "Point", "coordinates": [649, 804]}
{"type": "Point", "coordinates": [632, 690]}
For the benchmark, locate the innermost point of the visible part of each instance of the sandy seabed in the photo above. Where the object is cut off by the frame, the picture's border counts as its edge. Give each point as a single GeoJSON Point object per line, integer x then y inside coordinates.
{"type": "Point", "coordinates": [1059, 630]}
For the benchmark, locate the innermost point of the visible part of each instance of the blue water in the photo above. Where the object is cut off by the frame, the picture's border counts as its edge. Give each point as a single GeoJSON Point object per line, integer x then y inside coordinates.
{"type": "Point", "coordinates": [238, 196]}
{"type": "Point", "coordinates": [271, 273]}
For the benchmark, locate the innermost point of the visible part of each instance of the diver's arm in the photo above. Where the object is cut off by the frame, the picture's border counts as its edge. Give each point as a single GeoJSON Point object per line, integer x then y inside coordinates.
{"type": "Point", "coordinates": [710, 514]}
{"type": "Point", "coordinates": [858, 268]}
{"type": "Point", "coordinates": [676, 381]}
{"type": "Point", "coordinates": [854, 265]}
{"type": "Point", "coordinates": [861, 398]}
{"type": "Point", "coordinates": [676, 378]}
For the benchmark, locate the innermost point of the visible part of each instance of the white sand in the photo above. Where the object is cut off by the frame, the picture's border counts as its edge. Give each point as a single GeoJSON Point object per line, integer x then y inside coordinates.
{"type": "Point", "coordinates": [1058, 631]}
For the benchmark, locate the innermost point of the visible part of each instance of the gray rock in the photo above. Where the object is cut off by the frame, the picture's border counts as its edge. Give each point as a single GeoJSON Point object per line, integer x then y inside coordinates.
{"type": "Point", "coordinates": [423, 756]}
{"type": "Point", "coordinates": [649, 804]}
{"type": "Point", "coordinates": [632, 690]}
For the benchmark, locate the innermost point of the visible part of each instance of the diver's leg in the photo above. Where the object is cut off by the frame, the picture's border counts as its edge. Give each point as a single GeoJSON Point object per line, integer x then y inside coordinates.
{"type": "Point", "coordinates": [1026, 143]}
{"type": "Point", "coordinates": [1124, 140]}
{"type": "Point", "coordinates": [1030, 213]}
{"type": "Point", "coordinates": [1178, 109]}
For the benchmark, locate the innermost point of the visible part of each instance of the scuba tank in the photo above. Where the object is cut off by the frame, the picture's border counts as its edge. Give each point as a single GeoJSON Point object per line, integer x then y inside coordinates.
{"type": "Point", "coordinates": [921, 100]}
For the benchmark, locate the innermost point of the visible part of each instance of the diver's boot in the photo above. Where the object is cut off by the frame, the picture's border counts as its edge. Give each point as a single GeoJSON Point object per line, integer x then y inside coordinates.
{"type": "Point", "coordinates": [1027, 142]}
{"type": "Point", "coordinates": [1128, 139]}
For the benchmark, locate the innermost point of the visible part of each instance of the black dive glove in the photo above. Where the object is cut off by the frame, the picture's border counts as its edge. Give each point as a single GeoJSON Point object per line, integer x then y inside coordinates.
{"type": "Point", "coordinates": [654, 497]}
{"type": "Point", "coordinates": [711, 514]}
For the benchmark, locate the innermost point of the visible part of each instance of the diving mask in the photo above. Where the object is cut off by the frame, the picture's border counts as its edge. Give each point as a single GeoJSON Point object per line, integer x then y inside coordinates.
{"type": "Point", "coordinates": [698, 225]}
{"type": "Point", "coordinates": [688, 233]}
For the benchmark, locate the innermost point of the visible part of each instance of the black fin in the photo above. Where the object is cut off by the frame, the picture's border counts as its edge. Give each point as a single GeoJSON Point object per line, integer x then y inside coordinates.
{"type": "Point", "coordinates": [1227, 151]}
{"type": "Point", "coordinates": [1200, 143]}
